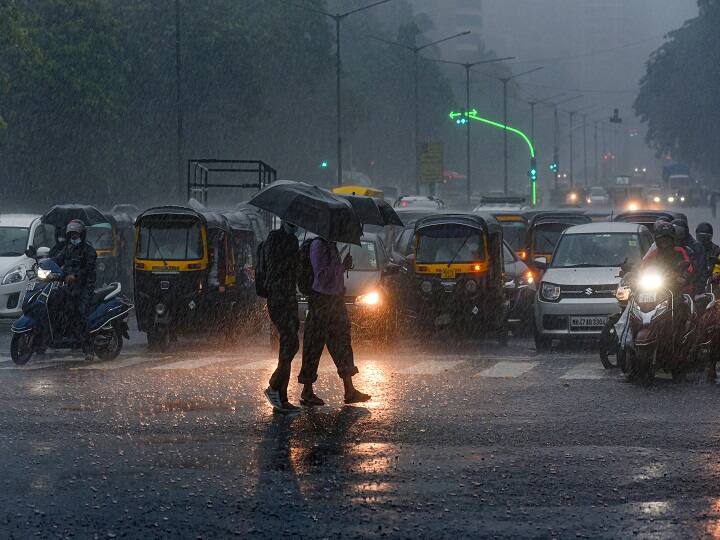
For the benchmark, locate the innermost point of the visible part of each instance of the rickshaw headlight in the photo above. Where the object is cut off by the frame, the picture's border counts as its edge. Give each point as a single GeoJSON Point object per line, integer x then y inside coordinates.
{"type": "Point", "coordinates": [426, 287]}
{"type": "Point", "coordinates": [370, 299]}
{"type": "Point", "coordinates": [471, 286]}
{"type": "Point", "coordinates": [160, 309]}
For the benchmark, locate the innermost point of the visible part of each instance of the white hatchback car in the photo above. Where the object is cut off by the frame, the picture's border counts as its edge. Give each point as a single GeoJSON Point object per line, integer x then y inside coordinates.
{"type": "Point", "coordinates": [17, 233]}
{"type": "Point", "coordinates": [577, 292]}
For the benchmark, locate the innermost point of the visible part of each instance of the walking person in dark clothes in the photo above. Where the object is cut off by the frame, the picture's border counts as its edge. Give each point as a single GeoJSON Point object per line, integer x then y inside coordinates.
{"type": "Point", "coordinates": [328, 324]}
{"type": "Point", "coordinates": [281, 254]}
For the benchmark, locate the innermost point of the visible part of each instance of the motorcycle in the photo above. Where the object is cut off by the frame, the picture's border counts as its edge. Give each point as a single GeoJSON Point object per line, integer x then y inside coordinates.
{"type": "Point", "coordinates": [658, 342]}
{"type": "Point", "coordinates": [41, 326]}
{"type": "Point", "coordinates": [616, 332]}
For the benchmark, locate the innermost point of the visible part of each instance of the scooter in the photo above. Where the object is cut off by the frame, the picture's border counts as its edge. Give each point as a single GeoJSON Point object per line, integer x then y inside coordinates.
{"type": "Point", "coordinates": [614, 335]}
{"type": "Point", "coordinates": [40, 328]}
{"type": "Point", "coordinates": [657, 342]}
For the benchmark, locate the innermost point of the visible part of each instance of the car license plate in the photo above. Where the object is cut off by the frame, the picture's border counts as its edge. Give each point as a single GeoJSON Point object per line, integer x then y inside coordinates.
{"type": "Point", "coordinates": [448, 273]}
{"type": "Point", "coordinates": [594, 322]}
{"type": "Point", "coordinates": [647, 297]}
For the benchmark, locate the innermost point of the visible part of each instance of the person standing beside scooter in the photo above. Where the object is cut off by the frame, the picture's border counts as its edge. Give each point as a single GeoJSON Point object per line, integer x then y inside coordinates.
{"type": "Point", "coordinates": [78, 262]}
{"type": "Point", "coordinates": [704, 235]}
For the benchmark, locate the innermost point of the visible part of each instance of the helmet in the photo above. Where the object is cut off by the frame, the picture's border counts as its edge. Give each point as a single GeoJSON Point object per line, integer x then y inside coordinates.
{"type": "Point", "coordinates": [704, 228]}
{"type": "Point", "coordinates": [75, 226]}
{"type": "Point", "coordinates": [681, 229]}
{"type": "Point", "coordinates": [663, 229]}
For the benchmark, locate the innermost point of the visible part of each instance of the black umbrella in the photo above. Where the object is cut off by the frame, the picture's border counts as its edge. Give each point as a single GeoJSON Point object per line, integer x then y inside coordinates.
{"type": "Point", "coordinates": [388, 213]}
{"type": "Point", "coordinates": [61, 214]}
{"type": "Point", "coordinates": [373, 211]}
{"type": "Point", "coordinates": [314, 209]}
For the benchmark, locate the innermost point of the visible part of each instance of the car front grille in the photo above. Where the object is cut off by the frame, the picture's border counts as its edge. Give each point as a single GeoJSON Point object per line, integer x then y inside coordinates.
{"type": "Point", "coordinates": [588, 291]}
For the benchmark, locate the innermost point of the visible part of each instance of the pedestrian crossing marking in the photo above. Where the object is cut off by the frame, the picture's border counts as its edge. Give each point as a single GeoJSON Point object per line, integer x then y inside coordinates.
{"type": "Point", "coordinates": [586, 371]}
{"type": "Point", "coordinates": [507, 370]}
{"type": "Point", "coordinates": [430, 367]}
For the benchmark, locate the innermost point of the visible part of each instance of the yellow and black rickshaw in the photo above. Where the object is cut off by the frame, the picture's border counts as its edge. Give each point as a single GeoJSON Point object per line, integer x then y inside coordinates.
{"type": "Point", "coordinates": [457, 274]}
{"type": "Point", "coordinates": [515, 226]}
{"type": "Point", "coordinates": [545, 228]}
{"type": "Point", "coordinates": [184, 274]}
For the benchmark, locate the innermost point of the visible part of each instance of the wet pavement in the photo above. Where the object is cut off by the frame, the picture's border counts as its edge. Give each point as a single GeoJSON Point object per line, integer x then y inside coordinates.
{"type": "Point", "coordinates": [460, 440]}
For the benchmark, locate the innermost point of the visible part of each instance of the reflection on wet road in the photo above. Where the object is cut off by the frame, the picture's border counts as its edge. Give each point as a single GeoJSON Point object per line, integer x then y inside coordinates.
{"type": "Point", "coordinates": [461, 440]}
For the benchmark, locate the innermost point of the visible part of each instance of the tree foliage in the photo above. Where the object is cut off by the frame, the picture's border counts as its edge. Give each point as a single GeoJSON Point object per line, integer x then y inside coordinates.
{"type": "Point", "coordinates": [678, 94]}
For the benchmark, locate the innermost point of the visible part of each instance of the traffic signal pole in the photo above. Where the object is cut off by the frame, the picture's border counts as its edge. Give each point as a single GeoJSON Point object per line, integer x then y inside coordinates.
{"type": "Point", "coordinates": [467, 131]}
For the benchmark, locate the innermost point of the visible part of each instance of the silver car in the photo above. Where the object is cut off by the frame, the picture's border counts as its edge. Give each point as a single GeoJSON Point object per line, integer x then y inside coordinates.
{"type": "Point", "coordinates": [577, 292]}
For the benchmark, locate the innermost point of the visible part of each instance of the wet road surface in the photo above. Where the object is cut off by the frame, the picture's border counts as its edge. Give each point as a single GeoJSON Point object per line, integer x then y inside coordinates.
{"type": "Point", "coordinates": [459, 441]}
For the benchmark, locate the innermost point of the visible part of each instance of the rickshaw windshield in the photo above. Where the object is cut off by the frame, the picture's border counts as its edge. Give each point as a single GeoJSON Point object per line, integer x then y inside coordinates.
{"type": "Point", "coordinates": [450, 244]}
{"type": "Point", "coordinates": [100, 236]}
{"type": "Point", "coordinates": [546, 236]}
{"type": "Point", "coordinates": [514, 233]}
{"type": "Point", "coordinates": [170, 240]}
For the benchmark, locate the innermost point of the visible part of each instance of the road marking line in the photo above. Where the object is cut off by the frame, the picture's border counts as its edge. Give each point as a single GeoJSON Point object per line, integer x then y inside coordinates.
{"type": "Point", "coordinates": [42, 365]}
{"type": "Point", "coordinates": [431, 367]}
{"type": "Point", "coordinates": [118, 364]}
{"type": "Point", "coordinates": [193, 363]}
{"type": "Point", "coordinates": [587, 371]}
{"type": "Point", "coordinates": [507, 370]}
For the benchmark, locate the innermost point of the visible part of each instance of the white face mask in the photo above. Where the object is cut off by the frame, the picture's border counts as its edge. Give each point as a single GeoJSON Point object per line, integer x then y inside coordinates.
{"type": "Point", "coordinates": [75, 241]}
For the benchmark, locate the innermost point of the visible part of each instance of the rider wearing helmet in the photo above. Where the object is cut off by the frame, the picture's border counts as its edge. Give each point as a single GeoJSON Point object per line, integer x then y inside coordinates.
{"type": "Point", "coordinates": [671, 259]}
{"type": "Point", "coordinates": [695, 251]}
{"type": "Point", "coordinates": [77, 259]}
{"type": "Point", "coordinates": [704, 234]}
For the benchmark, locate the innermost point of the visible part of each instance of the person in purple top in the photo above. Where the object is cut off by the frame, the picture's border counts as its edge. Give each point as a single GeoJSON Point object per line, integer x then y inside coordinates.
{"type": "Point", "coordinates": [328, 324]}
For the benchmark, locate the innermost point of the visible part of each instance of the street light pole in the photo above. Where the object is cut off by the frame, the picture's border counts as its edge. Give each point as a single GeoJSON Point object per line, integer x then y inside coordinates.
{"type": "Point", "coordinates": [595, 152]}
{"type": "Point", "coordinates": [178, 101]}
{"type": "Point", "coordinates": [505, 81]}
{"type": "Point", "coordinates": [572, 179]}
{"type": "Point", "coordinates": [338, 18]}
{"type": "Point", "coordinates": [585, 156]}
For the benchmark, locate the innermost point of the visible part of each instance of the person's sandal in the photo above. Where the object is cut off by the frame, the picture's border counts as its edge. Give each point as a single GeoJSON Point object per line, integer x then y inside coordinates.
{"type": "Point", "coordinates": [311, 401]}
{"type": "Point", "coordinates": [357, 397]}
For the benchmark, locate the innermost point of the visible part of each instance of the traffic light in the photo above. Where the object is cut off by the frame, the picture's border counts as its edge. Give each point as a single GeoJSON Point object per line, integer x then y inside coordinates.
{"type": "Point", "coordinates": [461, 121]}
{"type": "Point", "coordinates": [532, 173]}
{"type": "Point", "coordinates": [615, 118]}
{"type": "Point", "coordinates": [554, 167]}
{"type": "Point", "coordinates": [324, 164]}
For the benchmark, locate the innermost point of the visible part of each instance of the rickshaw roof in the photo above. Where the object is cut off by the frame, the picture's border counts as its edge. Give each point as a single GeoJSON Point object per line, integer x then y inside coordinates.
{"type": "Point", "coordinates": [207, 217]}
{"type": "Point", "coordinates": [577, 217]}
{"type": "Point", "coordinates": [649, 216]}
{"type": "Point", "coordinates": [239, 219]}
{"type": "Point", "coordinates": [476, 220]}
{"type": "Point", "coordinates": [500, 214]}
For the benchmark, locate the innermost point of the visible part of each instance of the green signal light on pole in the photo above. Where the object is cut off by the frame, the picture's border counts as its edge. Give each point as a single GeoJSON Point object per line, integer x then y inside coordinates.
{"type": "Point", "coordinates": [324, 164]}
{"type": "Point", "coordinates": [553, 167]}
{"type": "Point", "coordinates": [472, 114]}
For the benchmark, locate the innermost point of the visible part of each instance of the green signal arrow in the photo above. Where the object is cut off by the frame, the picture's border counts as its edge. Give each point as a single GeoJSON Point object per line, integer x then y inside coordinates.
{"type": "Point", "coordinates": [454, 115]}
{"type": "Point", "coordinates": [474, 116]}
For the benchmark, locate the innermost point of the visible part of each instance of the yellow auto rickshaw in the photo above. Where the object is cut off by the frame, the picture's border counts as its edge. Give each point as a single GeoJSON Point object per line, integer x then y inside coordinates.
{"type": "Point", "coordinates": [457, 274]}
{"type": "Point", "coordinates": [544, 232]}
{"type": "Point", "coordinates": [184, 274]}
{"type": "Point", "coordinates": [358, 190]}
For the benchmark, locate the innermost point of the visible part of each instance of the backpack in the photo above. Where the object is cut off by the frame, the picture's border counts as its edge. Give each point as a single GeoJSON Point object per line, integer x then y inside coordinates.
{"type": "Point", "coordinates": [261, 288]}
{"type": "Point", "coordinates": [306, 276]}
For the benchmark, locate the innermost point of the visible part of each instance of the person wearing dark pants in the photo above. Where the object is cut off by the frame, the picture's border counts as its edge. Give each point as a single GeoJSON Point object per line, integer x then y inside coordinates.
{"type": "Point", "coordinates": [281, 256]}
{"type": "Point", "coordinates": [328, 324]}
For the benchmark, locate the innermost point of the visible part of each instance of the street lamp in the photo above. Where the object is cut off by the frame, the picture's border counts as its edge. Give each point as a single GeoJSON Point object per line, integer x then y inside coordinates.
{"type": "Point", "coordinates": [338, 18]}
{"type": "Point", "coordinates": [505, 81]}
{"type": "Point", "coordinates": [178, 98]}
{"type": "Point", "coordinates": [556, 135]}
{"type": "Point", "coordinates": [416, 54]}
{"type": "Point", "coordinates": [468, 66]}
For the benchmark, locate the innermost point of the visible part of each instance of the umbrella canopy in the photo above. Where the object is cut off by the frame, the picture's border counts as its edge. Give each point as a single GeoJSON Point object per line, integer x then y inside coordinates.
{"type": "Point", "coordinates": [373, 211]}
{"type": "Point", "coordinates": [61, 214]}
{"type": "Point", "coordinates": [314, 209]}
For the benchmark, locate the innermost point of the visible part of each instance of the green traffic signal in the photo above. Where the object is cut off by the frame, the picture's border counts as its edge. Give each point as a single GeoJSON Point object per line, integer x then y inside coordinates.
{"type": "Point", "coordinates": [324, 164]}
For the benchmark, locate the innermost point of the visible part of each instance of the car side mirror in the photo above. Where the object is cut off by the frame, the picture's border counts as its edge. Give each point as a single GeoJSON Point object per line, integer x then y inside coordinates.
{"type": "Point", "coordinates": [43, 252]}
{"type": "Point", "coordinates": [30, 252]}
{"type": "Point", "coordinates": [541, 262]}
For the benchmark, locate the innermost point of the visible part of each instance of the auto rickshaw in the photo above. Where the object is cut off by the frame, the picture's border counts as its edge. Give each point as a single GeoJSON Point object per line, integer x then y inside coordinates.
{"type": "Point", "coordinates": [649, 217]}
{"type": "Point", "coordinates": [184, 274]}
{"type": "Point", "coordinates": [457, 274]}
{"type": "Point", "coordinates": [364, 191]}
{"type": "Point", "coordinates": [544, 231]}
{"type": "Point", "coordinates": [515, 227]}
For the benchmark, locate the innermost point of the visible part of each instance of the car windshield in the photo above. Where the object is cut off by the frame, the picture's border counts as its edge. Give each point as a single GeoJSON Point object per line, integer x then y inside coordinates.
{"type": "Point", "coordinates": [514, 233]}
{"type": "Point", "coordinates": [546, 236]}
{"type": "Point", "coordinates": [597, 191]}
{"type": "Point", "coordinates": [449, 243]}
{"type": "Point", "coordinates": [597, 250]}
{"type": "Point", "coordinates": [364, 256]}
{"type": "Point", "coordinates": [100, 236]}
{"type": "Point", "coordinates": [174, 240]}
{"type": "Point", "coordinates": [13, 241]}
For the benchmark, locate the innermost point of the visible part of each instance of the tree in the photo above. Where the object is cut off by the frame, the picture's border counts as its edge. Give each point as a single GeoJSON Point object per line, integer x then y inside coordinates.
{"type": "Point", "coordinates": [678, 94]}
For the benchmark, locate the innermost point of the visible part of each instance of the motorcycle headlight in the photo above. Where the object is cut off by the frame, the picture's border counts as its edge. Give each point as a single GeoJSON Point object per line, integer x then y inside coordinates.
{"type": "Point", "coordinates": [370, 299]}
{"type": "Point", "coordinates": [471, 286]}
{"type": "Point", "coordinates": [426, 287]}
{"type": "Point", "coordinates": [43, 274]}
{"type": "Point", "coordinates": [160, 309]}
{"type": "Point", "coordinates": [527, 278]}
{"type": "Point", "coordinates": [682, 199]}
{"type": "Point", "coordinates": [660, 309]}
{"type": "Point", "coordinates": [622, 294]}
{"type": "Point", "coordinates": [550, 292]}
{"type": "Point", "coordinates": [651, 281]}
{"type": "Point", "coordinates": [16, 275]}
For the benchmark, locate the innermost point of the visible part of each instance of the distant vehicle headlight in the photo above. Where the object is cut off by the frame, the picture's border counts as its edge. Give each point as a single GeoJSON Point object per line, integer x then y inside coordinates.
{"type": "Point", "coordinates": [370, 299]}
{"type": "Point", "coordinates": [656, 199]}
{"type": "Point", "coordinates": [16, 275]}
{"type": "Point", "coordinates": [426, 287]}
{"type": "Point", "coordinates": [682, 199]}
{"type": "Point", "coordinates": [588, 200]}
{"type": "Point", "coordinates": [671, 199]}
{"type": "Point", "coordinates": [550, 292]}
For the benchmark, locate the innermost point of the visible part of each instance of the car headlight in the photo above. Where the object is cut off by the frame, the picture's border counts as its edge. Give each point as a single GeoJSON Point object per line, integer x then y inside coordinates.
{"type": "Point", "coordinates": [656, 199]}
{"type": "Point", "coordinates": [43, 274]}
{"type": "Point", "coordinates": [426, 287]}
{"type": "Point", "coordinates": [370, 299]}
{"type": "Point", "coordinates": [671, 199]}
{"type": "Point", "coordinates": [16, 275]}
{"type": "Point", "coordinates": [588, 200]}
{"type": "Point", "coordinates": [550, 292]}
{"type": "Point", "coordinates": [682, 199]}
{"type": "Point", "coordinates": [650, 281]}
{"type": "Point", "coordinates": [471, 286]}
{"type": "Point", "coordinates": [622, 294]}
{"type": "Point", "coordinates": [661, 308]}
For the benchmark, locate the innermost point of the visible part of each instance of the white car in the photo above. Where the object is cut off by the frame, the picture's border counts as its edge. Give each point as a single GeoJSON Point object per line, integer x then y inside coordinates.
{"type": "Point", "coordinates": [597, 196]}
{"type": "Point", "coordinates": [17, 233]}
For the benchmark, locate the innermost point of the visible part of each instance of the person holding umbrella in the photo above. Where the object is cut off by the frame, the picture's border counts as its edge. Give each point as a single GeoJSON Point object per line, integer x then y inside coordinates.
{"type": "Point", "coordinates": [333, 220]}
